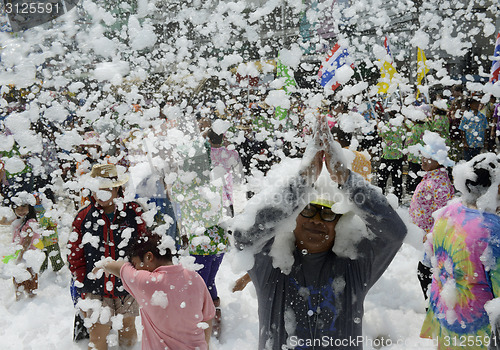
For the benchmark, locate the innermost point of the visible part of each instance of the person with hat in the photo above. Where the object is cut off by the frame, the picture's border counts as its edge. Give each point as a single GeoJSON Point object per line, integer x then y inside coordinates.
{"type": "Point", "coordinates": [102, 230]}
{"type": "Point", "coordinates": [319, 243]}
{"type": "Point", "coordinates": [464, 252]}
{"type": "Point", "coordinates": [432, 193]}
{"type": "Point", "coordinates": [474, 125]}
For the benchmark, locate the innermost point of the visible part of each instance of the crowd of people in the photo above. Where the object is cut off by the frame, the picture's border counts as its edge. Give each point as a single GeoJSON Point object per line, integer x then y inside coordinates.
{"type": "Point", "coordinates": [145, 196]}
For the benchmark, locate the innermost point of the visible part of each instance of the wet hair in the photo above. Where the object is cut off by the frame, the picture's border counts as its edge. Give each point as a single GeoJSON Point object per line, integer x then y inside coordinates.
{"type": "Point", "coordinates": [31, 212]}
{"type": "Point", "coordinates": [150, 242]}
{"type": "Point", "coordinates": [439, 111]}
{"type": "Point", "coordinates": [481, 173]}
{"type": "Point", "coordinates": [483, 179]}
{"type": "Point", "coordinates": [215, 138]}
{"type": "Point", "coordinates": [344, 138]}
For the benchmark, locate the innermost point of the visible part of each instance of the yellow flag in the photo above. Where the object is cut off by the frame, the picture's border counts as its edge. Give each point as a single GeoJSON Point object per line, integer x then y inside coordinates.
{"type": "Point", "coordinates": [422, 68]}
{"type": "Point", "coordinates": [387, 72]}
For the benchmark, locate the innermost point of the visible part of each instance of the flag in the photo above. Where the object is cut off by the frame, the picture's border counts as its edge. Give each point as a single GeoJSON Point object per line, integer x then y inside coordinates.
{"type": "Point", "coordinates": [337, 57]}
{"type": "Point", "coordinates": [387, 47]}
{"type": "Point", "coordinates": [290, 83]}
{"type": "Point", "coordinates": [495, 67]}
{"type": "Point", "coordinates": [422, 68]}
{"type": "Point", "coordinates": [387, 70]}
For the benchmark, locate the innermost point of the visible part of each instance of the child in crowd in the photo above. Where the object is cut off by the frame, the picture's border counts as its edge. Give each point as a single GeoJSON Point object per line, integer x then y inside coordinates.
{"type": "Point", "coordinates": [25, 235]}
{"type": "Point", "coordinates": [176, 307]}
{"type": "Point", "coordinates": [50, 238]}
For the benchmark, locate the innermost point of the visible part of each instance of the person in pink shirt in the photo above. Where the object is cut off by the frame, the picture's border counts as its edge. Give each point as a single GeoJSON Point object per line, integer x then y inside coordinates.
{"type": "Point", "coordinates": [176, 307]}
{"type": "Point", "coordinates": [432, 193]}
{"type": "Point", "coordinates": [26, 236]}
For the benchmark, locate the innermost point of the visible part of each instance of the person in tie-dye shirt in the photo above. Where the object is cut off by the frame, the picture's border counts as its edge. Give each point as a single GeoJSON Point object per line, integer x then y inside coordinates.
{"type": "Point", "coordinates": [464, 249]}
{"type": "Point", "coordinates": [432, 193]}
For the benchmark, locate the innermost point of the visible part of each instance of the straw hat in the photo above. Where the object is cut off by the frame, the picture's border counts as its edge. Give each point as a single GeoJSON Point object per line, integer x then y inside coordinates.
{"type": "Point", "coordinates": [108, 176]}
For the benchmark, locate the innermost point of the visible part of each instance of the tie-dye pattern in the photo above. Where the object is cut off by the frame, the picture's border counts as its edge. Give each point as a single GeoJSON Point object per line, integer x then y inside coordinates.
{"type": "Point", "coordinates": [461, 242]}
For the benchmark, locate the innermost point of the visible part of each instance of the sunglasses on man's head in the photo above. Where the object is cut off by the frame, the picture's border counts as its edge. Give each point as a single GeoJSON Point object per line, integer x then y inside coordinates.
{"type": "Point", "coordinates": [325, 213]}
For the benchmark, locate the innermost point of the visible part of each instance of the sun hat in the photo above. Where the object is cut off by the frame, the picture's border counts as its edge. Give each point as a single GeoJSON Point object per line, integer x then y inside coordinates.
{"type": "Point", "coordinates": [327, 193]}
{"type": "Point", "coordinates": [108, 176]}
{"type": "Point", "coordinates": [435, 148]}
{"type": "Point", "coordinates": [323, 202]}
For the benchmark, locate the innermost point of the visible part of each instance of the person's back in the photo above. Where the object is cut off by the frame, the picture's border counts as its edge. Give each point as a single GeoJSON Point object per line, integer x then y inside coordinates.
{"type": "Point", "coordinates": [174, 302]}
{"type": "Point", "coordinates": [459, 242]}
{"type": "Point", "coordinates": [176, 307]}
{"type": "Point", "coordinates": [464, 252]}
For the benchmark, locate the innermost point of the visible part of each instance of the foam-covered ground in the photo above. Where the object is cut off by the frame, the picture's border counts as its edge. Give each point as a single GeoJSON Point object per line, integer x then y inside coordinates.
{"type": "Point", "coordinates": [394, 309]}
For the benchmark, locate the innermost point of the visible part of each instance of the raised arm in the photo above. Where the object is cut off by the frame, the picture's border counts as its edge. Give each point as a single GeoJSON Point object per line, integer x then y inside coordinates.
{"type": "Point", "coordinates": [285, 201]}
{"type": "Point", "coordinates": [372, 206]}
{"type": "Point", "coordinates": [266, 218]}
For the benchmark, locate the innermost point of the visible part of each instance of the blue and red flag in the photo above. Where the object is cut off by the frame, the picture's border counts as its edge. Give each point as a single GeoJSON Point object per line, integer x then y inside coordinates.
{"type": "Point", "coordinates": [495, 67]}
{"type": "Point", "coordinates": [387, 47]}
{"type": "Point", "coordinates": [336, 58]}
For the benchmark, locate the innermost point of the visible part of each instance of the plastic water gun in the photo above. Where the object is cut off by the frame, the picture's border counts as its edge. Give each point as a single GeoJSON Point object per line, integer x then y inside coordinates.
{"type": "Point", "coordinates": [7, 258]}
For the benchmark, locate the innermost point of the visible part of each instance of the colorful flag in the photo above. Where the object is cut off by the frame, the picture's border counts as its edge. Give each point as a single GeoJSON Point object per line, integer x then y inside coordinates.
{"type": "Point", "coordinates": [290, 83]}
{"type": "Point", "coordinates": [387, 47]}
{"type": "Point", "coordinates": [337, 57]}
{"type": "Point", "coordinates": [387, 70]}
{"type": "Point", "coordinates": [422, 68]}
{"type": "Point", "coordinates": [495, 67]}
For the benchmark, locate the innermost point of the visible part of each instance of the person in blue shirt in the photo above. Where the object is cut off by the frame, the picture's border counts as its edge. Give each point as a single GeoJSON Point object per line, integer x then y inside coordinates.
{"type": "Point", "coordinates": [474, 125]}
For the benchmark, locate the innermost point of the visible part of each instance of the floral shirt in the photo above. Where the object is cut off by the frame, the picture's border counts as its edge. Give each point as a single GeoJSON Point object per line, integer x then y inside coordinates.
{"type": "Point", "coordinates": [214, 241]}
{"type": "Point", "coordinates": [392, 141]}
{"type": "Point", "coordinates": [441, 125]}
{"type": "Point", "coordinates": [464, 248]}
{"type": "Point", "coordinates": [414, 136]}
{"type": "Point", "coordinates": [431, 194]}
{"type": "Point", "coordinates": [474, 127]}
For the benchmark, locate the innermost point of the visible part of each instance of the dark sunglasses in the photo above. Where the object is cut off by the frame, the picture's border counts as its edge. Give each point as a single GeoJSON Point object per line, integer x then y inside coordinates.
{"type": "Point", "coordinates": [325, 213]}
